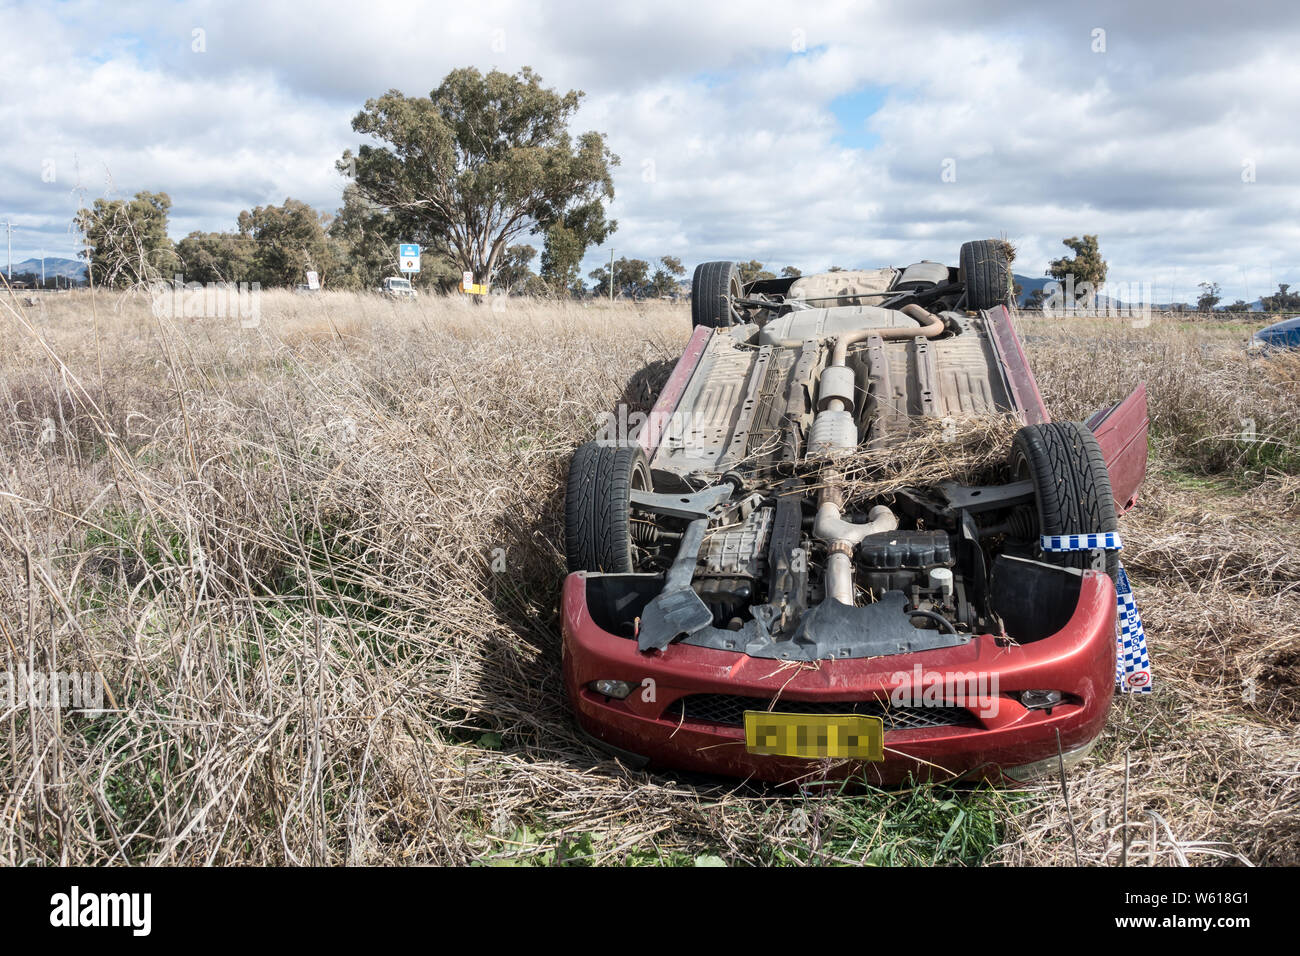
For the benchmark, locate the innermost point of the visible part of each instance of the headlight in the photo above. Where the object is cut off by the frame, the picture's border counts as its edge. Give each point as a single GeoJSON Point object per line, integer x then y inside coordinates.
{"type": "Point", "coordinates": [618, 689]}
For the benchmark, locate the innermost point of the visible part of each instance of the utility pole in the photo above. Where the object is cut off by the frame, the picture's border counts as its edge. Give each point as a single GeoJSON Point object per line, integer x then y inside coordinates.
{"type": "Point", "coordinates": [42, 268]}
{"type": "Point", "coordinates": [9, 236]}
{"type": "Point", "coordinates": [611, 276]}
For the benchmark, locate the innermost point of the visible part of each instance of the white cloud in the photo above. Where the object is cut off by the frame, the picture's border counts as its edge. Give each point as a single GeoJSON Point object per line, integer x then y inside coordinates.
{"type": "Point", "coordinates": [728, 141]}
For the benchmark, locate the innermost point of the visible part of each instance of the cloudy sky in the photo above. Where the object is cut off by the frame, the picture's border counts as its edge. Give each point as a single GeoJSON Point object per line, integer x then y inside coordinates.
{"type": "Point", "coordinates": [804, 133]}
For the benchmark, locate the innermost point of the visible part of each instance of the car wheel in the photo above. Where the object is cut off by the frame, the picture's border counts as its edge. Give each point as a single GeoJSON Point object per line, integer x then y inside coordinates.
{"type": "Point", "coordinates": [985, 270]}
{"type": "Point", "coordinates": [713, 288]}
{"type": "Point", "coordinates": [1071, 487]}
{"type": "Point", "coordinates": [597, 506]}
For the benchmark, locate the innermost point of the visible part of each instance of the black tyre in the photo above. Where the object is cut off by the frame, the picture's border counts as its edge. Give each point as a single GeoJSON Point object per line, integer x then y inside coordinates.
{"type": "Point", "coordinates": [713, 288]}
{"type": "Point", "coordinates": [597, 506]}
{"type": "Point", "coordinates": [986, 272]}
{"type": "Point", "coordinates": [1071, 486]}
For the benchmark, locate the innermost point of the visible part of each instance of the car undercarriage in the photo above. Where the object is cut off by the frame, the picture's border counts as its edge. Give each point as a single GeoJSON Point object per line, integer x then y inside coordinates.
{"type": "Point", "coordinates": [743, 518]}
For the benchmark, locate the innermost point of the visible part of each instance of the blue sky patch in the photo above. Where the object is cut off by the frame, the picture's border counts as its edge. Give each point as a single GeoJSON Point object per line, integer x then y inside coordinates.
{"type": "Point", "coordinates": [852, 110]}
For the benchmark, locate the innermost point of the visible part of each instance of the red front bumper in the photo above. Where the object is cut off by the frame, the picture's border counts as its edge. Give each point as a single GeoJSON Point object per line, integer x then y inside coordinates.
{"type": "Point", "coordinates": [1002, 734]}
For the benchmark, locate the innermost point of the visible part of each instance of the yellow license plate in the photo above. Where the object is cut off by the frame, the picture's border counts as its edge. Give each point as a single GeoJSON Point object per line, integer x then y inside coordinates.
{"type": "Point", "coordinates": [815, 735]}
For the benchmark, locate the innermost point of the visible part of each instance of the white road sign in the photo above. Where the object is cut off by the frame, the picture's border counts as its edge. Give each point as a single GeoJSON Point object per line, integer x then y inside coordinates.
{"type": "Point", "coordinates": [409, 255]}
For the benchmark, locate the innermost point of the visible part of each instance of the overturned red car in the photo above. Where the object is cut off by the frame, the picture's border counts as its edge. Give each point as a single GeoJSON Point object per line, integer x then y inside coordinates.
{"type": "Point", "coordinates": [738, 605]}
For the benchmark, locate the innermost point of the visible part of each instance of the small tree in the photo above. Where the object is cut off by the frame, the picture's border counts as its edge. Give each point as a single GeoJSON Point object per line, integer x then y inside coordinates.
{"type": "Point", "coordinates": [631, 279]}
{"type": "Point", "coordinates": [568, 240]}
{"type": "Point", "coordinates": [366, 235]}
{"type": "Point", "coordinates": [1283, 300]}
{"type": "Point", "coordinates": [790, 272]}
{"type": "Point", "coordinates": [667, 276]}
{"type": "Point", "coordinates": [288, 241]}
{"type": "Point", "coordinates": [1086, 265]}
{"type": "Point", "coordinates": [1208, 298]}
{"type": "Point", "coordinates": [215, 257]}
{"type": "Point", "coordinates": [126, 241]}
{"type": "Point", "coordinates": [514, 271]}
{"type": "Point", "coordinates": [481, 161]}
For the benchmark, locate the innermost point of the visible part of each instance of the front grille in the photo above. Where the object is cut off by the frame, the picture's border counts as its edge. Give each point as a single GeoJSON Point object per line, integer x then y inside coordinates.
{"type": "Point", "coordinates": [729, 710]}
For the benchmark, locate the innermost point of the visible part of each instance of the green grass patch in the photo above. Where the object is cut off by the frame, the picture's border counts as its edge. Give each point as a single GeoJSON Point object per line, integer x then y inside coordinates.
{"type": "Point", "coordinates": [922, 825]}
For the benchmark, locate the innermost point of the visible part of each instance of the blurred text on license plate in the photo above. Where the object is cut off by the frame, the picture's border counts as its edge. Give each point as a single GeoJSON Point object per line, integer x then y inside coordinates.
{"type": "Point", "coordinates": [815, 735]}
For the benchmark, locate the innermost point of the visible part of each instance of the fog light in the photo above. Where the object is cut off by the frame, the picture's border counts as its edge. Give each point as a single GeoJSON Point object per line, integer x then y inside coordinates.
{"type": "Point", "coordinates": [1040, 699]}
{"type": "Point", "coordinates": [1028, 772]}
{"type": "Point", "coordinates": [618, 689]}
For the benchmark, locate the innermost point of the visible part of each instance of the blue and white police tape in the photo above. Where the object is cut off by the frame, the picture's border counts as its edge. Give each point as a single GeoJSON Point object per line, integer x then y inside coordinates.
{"type": "Point", "coordinates": [1132, 663]}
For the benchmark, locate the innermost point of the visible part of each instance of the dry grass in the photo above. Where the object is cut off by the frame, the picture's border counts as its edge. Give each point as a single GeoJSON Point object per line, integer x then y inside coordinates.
{"type": "Point", "coordinates": [967, 450]}
{"type": "Point", "coordinates": [317, 563]}
{"type": "Point", "coordinates": [1213, 553]}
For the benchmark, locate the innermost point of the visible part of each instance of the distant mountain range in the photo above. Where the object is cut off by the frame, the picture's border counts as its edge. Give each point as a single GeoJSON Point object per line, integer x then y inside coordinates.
{"type": "Point", "coordinates": [73, 269]}
{"type": "Point", "coordinates": [1029, 284]}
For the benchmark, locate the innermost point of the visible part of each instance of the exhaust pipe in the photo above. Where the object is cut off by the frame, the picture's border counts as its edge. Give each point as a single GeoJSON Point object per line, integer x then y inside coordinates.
{"type": "Point", "coordinates": [841, 537]}
{"type": "Point", "coordinates": [834, 432]}
{"type": "Point", "coordinates": [931, 328]}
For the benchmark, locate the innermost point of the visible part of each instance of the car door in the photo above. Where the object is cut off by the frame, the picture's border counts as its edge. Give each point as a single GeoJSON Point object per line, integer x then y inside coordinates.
{"type": "Point", "coordinates": [1121, 432]}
